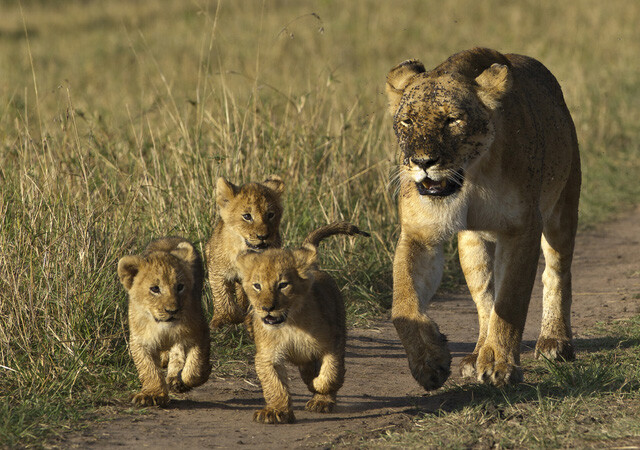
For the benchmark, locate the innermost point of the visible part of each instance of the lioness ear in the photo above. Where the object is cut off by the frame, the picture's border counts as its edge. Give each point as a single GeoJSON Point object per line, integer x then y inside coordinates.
{"type": "Point", "coordinates": [493, 84]}
{"type": "Point", "coordinates": [225, 191]}
{"type": "Point", "coordinates": [128, 268]}
{"type": "Point", "coordinates": [184, 251]}
{"type": "Point", "coordinates": [275, 183]}
{"type": "Point", "coordinates": [397, 80]}
{"type": "Point", "coordinates": [306, 258]}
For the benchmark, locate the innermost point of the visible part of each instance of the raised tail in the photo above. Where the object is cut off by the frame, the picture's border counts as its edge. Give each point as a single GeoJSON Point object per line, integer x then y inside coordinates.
{"type": "Point", "coordinates": [340, 227]}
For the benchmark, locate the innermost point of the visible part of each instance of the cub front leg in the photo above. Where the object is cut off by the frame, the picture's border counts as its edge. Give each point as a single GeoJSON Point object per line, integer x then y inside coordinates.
{"type": "Point", "coordinates": [273, 378]}
{"type": "Point", "coordinates": [225, 304]}
{"type": "Point", "coordinates": [192, 367]}
{"type": "Point", "coordinates": [326, 384]}
{"type": "Point", "coordinates": [154, 389]}
{"type": "Point", "coordinates": [417, 271]}
{"type": "Point", "coordinates": [515, 270]}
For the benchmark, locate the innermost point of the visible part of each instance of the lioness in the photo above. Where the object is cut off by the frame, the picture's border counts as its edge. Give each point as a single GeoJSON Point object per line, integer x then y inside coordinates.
{"type": "Point", "coordinates": [249, 220]}
{"type": "Point", "coordinates": [297, 315]}
{"type": "Point", "coordinates": [166, 322]}
{"type": "Point", "coordinates": [490, 151]}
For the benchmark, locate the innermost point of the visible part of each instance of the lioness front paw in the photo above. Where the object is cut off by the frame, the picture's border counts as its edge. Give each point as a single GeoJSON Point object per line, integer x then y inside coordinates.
{"type": "Point", "coordinates": [468, 365]}
{"type": "Point", "coordinates": [427, 352]}
{"type": "Point", "coordinates": [145, 399]}
{"type": "Point", "coordinates": [497, 371]}
{"type": "Point", "coordinates": [320, 405]}
{"type": "Point", "coordinates": [270, 415]}
{"type": "Point", "coordinates": [555, 349]}
{"type": "Point", "coordinates": [176, 384]}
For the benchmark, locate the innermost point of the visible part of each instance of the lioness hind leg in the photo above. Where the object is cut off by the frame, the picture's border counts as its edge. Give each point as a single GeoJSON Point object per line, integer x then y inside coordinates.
{"type": "Point", "coordinates": [476, 259]}
{"type": "Point", "coordinates": [557, 245]}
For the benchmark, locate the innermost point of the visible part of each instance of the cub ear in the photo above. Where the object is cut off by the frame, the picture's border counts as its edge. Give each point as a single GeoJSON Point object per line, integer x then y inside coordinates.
{"type": "Point", "coordinates": [306, 258]}
{"type": "Point", "coordinates": [275, 183]}
{"type": "Point", "coordinates": [128, 268]}
{"type": "Point", "coordinates": [244, 262]}
{"type": "Point", "coordinates": [185, 251]}
{"type": "Point", "coordinates": [493, 84]}
{"type": "Point", "coordinates": [397, 80]}
{"type": "Point", "coordinates": [225, 191]}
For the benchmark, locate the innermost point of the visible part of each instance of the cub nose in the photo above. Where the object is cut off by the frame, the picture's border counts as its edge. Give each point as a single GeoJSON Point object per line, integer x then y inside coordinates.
{"type": "Point", "coordinates": [262, 237]}
{"type": "Point", "coordinates": [268, 308]}
{"type": "Point", "coordinates": [171, 311]}
{"type": "Point", "coordinates": [424, 163]}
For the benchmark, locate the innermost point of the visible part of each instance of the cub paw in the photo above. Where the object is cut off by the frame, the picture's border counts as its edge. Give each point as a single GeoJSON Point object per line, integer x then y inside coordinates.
{"type": "Point", "coordinates": [144, 399]}
{"type": "Point", "coordinates": [497, 371]}
{"type": "Point", "coordinates": [176, 384]}
{"type": "Point", "coordinates": [320, 405]}
{"type": "Point", "coordinates": [555, 349]}
{"type": "Point", "coordinates": [270, 415]}
{"type": "Point", "coordinates": [468, 365]}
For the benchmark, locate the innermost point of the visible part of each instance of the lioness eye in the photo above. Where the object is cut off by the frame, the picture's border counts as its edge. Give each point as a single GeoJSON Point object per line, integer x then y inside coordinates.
{"type": "Point", "coordinates": [155, 289]}
{"type": "Point", "coordinates": [247, 217]}
{"type": "Point", "coordinates": [283, 285]}
{"type": "Point", "coordinates": [180, 287]}
{"type": "Point", "coordinates": [257, 286]}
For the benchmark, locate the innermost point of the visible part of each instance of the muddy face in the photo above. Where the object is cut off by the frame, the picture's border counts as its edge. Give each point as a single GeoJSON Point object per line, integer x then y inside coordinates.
{"type": "Point", "coordinates": [441, 126]}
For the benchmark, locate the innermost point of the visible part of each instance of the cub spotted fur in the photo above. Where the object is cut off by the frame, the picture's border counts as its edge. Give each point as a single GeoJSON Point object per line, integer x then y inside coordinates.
{"type": "Point", "coordinates": [166, 322]}
{"type": "Point", "coordinates": [297, 315]}
{"type": "Point", "coordinates": [490, 152]}
{"type": "Point", "coordinates": [249, 220]}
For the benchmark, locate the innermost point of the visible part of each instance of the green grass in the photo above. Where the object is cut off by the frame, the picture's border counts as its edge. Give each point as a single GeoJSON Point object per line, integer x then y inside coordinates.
{"type": "Point", "coordinates": [592, 402]}
{"type": "Point", "coordinates": [117, 117]}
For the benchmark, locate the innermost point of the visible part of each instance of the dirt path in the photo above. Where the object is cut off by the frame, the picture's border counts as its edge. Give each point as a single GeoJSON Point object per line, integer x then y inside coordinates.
{"type": "Point", "coordinates": [379, 392]}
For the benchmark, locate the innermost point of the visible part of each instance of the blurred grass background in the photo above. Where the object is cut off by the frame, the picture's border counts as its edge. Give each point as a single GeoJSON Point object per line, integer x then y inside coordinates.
{"type": "Point", "coordinates": [116, 118]}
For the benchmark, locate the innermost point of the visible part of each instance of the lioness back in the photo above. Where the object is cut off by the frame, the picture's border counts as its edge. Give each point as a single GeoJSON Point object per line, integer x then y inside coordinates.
{"type": "Point", "coordinates": [166, 320]}
{"type": "Point", "coordinates": [250, 218]}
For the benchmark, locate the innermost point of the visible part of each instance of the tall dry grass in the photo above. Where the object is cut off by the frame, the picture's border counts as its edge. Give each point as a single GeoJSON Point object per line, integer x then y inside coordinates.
{"type": "Point", "coordinates": [117, 117]}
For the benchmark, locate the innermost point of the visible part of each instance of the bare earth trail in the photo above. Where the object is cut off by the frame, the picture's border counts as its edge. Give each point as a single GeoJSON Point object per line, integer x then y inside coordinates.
{"type": "Point", "coordinates": [379, 392]}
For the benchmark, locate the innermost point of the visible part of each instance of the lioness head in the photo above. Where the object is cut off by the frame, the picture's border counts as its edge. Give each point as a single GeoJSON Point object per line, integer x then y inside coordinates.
{"type": "Point", "coordinates": [161, 282]}
{"type": "Point", "coordinates": [277, 280]}
{"type": "Point", "coordinates": [443, 120]}
{"type": "Point", "coordinates": [253, 211]}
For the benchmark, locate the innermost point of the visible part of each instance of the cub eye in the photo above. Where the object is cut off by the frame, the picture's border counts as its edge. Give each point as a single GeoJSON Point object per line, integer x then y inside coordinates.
{"type": "Point", "coordinates": [271, 215]}
{"type": "Point", "coordinates": [453, 121]}
{"type": "Point", "coordinates": [406, 123]}
{"type": "Point", "coordinates": [155, 289]}
{"type": "Point", "coordinates": [180, 287]}
{"type": "Point", "coordinates": [257, 286]}
{"type": "Point", "coordinates": [283, 285]}
{"type": "Point", "coordinates": [247, 217]}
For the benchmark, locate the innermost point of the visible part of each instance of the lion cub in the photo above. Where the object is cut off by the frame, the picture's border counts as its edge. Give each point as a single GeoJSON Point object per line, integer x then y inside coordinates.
{"type": "Point", "coordinates": [249, 220]}
{"type": "Point", "coordinates": [297, 315]}
{"type": "Point", "coordinates": [166, 322]}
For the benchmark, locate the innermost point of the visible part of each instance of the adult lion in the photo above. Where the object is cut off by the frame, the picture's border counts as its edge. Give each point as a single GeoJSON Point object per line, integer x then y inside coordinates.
{"type": "Point", "coordinates": [490, 152]}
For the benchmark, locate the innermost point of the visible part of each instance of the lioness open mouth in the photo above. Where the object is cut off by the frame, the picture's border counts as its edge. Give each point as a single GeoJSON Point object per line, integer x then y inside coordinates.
{"type": "Point", "coordinates": [270, 320]}
{"type": "Point", "coordinates": [442, 188]}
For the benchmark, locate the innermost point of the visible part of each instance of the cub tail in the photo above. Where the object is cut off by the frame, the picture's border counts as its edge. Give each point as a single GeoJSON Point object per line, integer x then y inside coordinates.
{"type": "Point", "coordinates": [341, 227]}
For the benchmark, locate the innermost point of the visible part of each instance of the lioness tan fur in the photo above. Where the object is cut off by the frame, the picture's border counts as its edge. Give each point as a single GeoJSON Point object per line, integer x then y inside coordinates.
{"type": "Point", "coordinates": [490, 152]}
{"type": "Point", "coordinates": [249, 220]}
{"type": "Point", "coordinates": [166, 323]}
{"type": "Point", "coordinates": [297, 315]}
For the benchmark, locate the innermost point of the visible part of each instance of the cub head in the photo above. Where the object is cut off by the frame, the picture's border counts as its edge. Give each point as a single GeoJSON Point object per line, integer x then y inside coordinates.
{"type": "Point", "coordinates": [160, 282]}
{"type": "Point", "coordinates": [252, 211]}
{"type": "Point", "coordinates": [443, 120]}
{"type": "Point", "coordinates": [277, 281]}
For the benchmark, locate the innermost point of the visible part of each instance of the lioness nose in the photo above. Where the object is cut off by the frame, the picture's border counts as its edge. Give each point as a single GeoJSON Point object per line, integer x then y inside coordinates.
{"type": "Point", "coordinates": [424, 163]}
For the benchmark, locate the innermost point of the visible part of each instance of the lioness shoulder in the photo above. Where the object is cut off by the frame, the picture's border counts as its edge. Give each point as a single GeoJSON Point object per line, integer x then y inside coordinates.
{"type": "Point", "coordinates": [166, 320]}
{"type": "Point", "coordinates": [249, 220]}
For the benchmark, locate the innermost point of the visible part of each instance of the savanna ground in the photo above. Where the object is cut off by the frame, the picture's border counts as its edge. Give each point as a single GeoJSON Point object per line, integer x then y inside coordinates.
{"type": "Point", "coordinates": [117, 117]}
